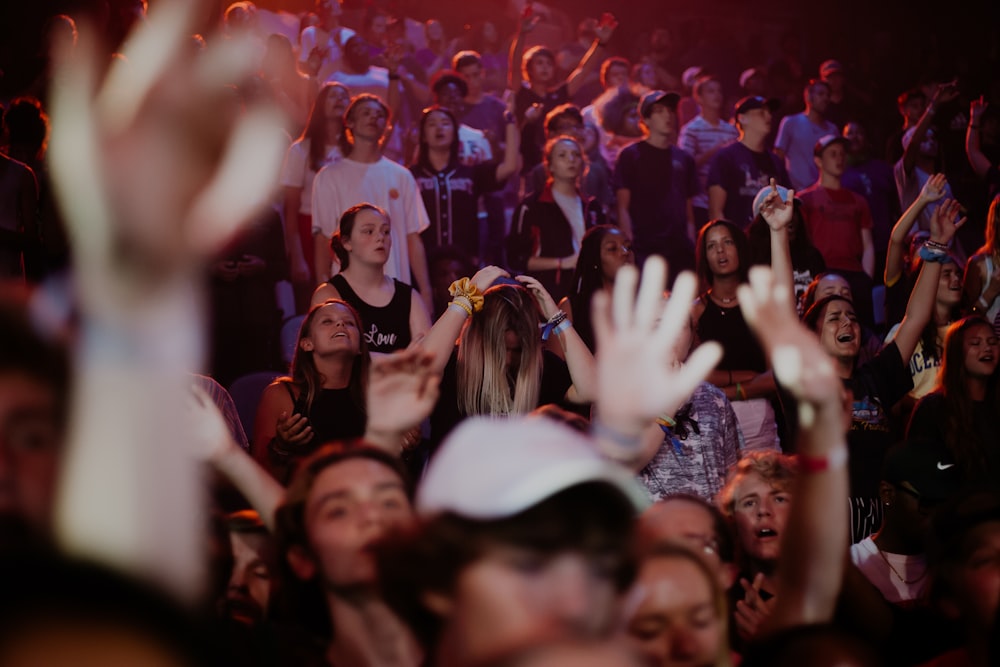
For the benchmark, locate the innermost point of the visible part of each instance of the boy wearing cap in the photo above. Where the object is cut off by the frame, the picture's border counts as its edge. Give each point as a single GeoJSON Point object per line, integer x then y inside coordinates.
{"type": "Point", "coordinates": [523, 535]}
{"type": "Point", "coordinates": [740, 170]}
{"type": "Point", "coordinates": [654, 182]}
{"type": "Point", "coordinates": [839, 222]}
{"type": "Point", "coordinates": [893, 558]}
{"type": "Point", "coordinates": [704, 136]}
{"type": "Point", "coordinates": [798, 134]}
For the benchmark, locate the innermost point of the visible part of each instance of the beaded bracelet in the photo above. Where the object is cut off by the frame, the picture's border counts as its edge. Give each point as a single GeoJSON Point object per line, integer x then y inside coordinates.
{"type": "Point", "coordinates": [459, 306]}
{"type": "Point", "coordinates": [552, 324]}
{"type": "Point", "coordinates": [937, 246]}
{"type": "Point", "coordinates": [464, 287]}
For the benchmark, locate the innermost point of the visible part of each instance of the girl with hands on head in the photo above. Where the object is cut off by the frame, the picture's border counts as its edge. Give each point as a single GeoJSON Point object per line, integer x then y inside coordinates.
{"type": "Point", "coordinates": [499, 366]}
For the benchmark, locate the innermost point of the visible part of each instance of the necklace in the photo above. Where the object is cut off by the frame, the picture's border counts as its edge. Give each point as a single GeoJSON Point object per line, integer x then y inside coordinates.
{"type": "Point", "coordinates": [885, 560]}
{"type": "Point", "coordinates": [724, 300]}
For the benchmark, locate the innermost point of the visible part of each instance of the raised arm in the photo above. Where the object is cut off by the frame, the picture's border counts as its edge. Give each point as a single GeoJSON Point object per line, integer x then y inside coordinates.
{"type": "Point", "coordinates": [943, 94]}
{"type": "Point", "coordinates": [980, 163]}
{"type": "Point", "coordinates": [778, 213]}
{"type": "Point", "coordinates": [578, 357]}
{"type": "Point", "coordinates": [214, 445]}
{"type": "Point", "coordinates": [145, 207]}
{"type": "Point", "coordinates": [813, 550]}
{"type": "Point", "coordinates": [920, 307]}
{"type": "Point", "coordinates": [527, 23]}
{"type": "Point", "coordinates": [932, 191]}
{"type": "Point", "coordinates": [639, 375]}
{"type": "Point", "coordinates": [512, 148]}
{"type": "Point", "coordinates": [592, 59]}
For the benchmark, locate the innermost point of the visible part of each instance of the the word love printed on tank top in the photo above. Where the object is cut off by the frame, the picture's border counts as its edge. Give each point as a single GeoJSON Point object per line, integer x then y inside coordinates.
{"type": "Point", "coordinates": [376, 339]}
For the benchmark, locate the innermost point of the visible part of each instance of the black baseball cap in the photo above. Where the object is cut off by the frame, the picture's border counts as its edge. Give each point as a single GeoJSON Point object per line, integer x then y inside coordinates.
{"type": "Point", "coordinates": [669, 100]}
{"type": "Point", "coordinates": [756, 102]}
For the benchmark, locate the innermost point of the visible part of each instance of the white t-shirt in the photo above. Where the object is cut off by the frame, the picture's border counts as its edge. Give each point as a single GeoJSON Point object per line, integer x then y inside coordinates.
{"type": "Point", "coordinates": [865, 555]}
{"type": "Point", "coordinates": [385, 184]}
{"type": "Point", "coordinates": [923, 368]}
{"type": "Point", "coordinates": [310, 39]}
{"type": "Point", "coordinates": [572, 208]}
{"type": "Point", "coordinates": [296, 172]}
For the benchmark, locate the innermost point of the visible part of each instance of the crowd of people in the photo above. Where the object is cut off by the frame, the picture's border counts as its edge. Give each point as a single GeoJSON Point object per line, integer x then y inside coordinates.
{"type": "Point", "coordinates": [515, 352]}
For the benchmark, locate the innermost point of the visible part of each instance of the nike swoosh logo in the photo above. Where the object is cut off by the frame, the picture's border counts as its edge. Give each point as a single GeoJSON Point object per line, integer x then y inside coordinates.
{"type": "Point", "coordinates": [944, 466]}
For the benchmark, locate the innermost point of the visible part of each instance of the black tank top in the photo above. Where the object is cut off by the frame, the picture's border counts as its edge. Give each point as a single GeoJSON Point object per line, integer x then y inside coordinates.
{"type": "Point", "coordinates": [385, 328]}
{"type": "Point", "coordinates": [740, 351]}
{"type": "Point", "coordinates": [334, 415]}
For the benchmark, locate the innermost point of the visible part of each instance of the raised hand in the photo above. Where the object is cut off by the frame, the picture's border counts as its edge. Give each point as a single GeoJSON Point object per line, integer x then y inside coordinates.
{"type": "Point", "coordinates": [778, 212]}
{"type": "Point", "coordinates": [154, 171]}
{"type": "Point", "coordinates": [152, 174]}
{"type": "Point", "coordinates": [209, 434]}
{"type": "Point", "coordinates": [402, 391]}
{"type": "Point", "coordinates": [944, 93]}
{"type": "Point", "coordinates": [934, 188]}
{"type": "Point", "coordinates": [945, 221]}
{"type": "Point", "coordinates": [533, 113]}
{"type": "Point", "coordinates": [606, 27]}
{"type": "Point", "coordinates": [800, 363]}
{"type": "Point", "coordinates": [976, 110]}
{"type": "Point", "coordinates": [486, 276]}
{"type": "Point", "coordinates": [637, 378]}
{"type": "Point", "coordinates": [529, 19]}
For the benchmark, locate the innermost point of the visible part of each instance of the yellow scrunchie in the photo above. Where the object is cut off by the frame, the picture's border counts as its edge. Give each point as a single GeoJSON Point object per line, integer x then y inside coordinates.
{"type": "Point", "coordinates": [465, 287]}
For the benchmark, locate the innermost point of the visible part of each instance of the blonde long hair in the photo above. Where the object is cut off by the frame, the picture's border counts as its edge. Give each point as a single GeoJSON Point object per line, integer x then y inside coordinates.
{"type": "Point", "coordinates": [486, 386]}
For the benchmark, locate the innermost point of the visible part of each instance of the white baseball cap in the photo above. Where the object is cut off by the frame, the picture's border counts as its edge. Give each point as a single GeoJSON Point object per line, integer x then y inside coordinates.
{"type": "Point", "coordinates": [490, 469]}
